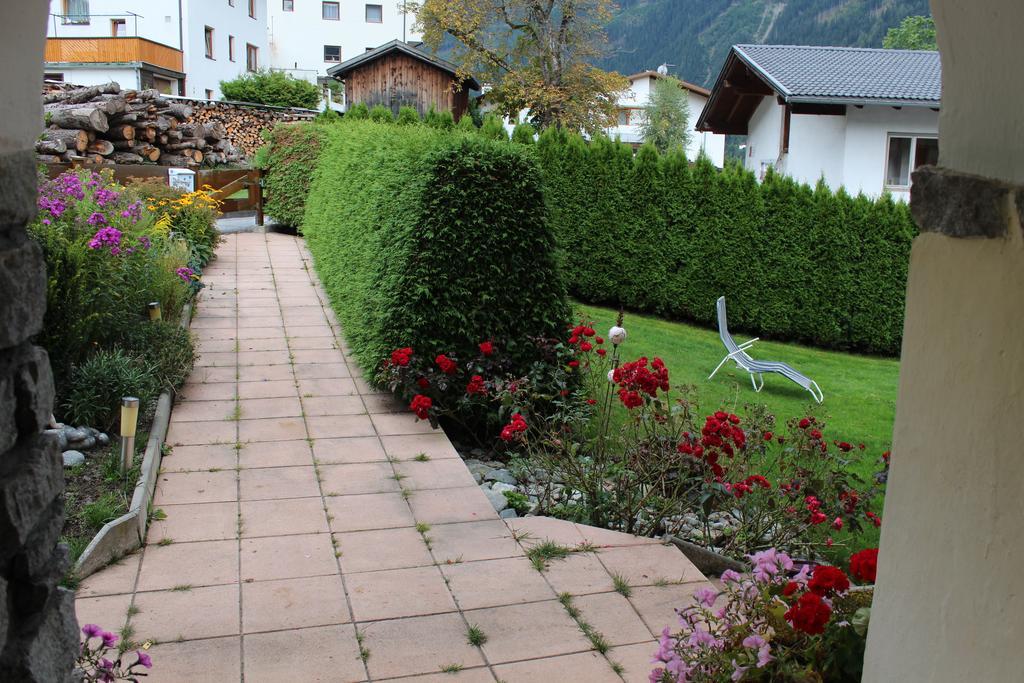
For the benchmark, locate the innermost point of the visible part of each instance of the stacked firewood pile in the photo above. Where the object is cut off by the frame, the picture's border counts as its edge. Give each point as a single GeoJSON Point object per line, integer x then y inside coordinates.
{"type": "Point", "coordinates": [104, 124]}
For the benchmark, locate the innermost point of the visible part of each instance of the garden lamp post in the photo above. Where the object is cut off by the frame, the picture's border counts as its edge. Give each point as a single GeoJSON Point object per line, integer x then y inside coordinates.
{"type": "Point", "coordinates": [129, 421]}
{"type": "Point", "coordinates": [154, 311]}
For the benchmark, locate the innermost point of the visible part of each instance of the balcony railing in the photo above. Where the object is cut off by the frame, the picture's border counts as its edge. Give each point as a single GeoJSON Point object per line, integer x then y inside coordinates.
{"type": "Point", "coordinates": [113, 50]}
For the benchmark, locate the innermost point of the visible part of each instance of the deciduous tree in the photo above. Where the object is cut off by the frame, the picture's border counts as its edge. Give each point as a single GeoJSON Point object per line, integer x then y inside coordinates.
{"type": "Point", "coordinates": [913, 33]}
{"type": "Point", "coordinates": [533, 54]}
{"type": "Point", "coordinates": [666, 115]}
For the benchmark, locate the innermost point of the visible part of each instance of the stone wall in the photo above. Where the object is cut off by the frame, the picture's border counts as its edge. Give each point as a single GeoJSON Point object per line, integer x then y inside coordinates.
{"type": "Point", "coordinates": [38, 632]}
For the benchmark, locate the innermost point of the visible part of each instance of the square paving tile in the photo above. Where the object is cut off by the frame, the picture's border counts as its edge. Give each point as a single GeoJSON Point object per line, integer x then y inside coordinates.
{"type": "Point", "coordinates": [329, 654]}
{"type": "Point", "coordinates": [264, 483]}
{"type": "Point", "coordinates": [443, 506]}
{"type": "Point", "coordinates": [278, 357]}
{"type": "Point", "coordinates": [348, 450]}
{"type": "Point", "coordinates": [274, 344]}
{"type": "Point", "coordinates": [277, 388]}
{"type": "Point", "coordinates": [206, 661]}
{"type": "Point", "coordinates": [474, 675]}
{"type": "Point", "coordinates": [200, 433]}
{"type": "Point", "coordinates": [317, 406]}
{"type": "Point", "coordinates": [533, 530]}
{"type": "Point", "coordinates": [285, 557]}
{"type": "Point", "coordinates": [110, 612]}
{"type": "Point", "coordinates": [657, 604]}
{"type": "Point", "coordinates": [406, 447]}
{"type": "Point", "coordinates": [275, 454]}
{"type": "Point", "coordinates": [281, 517]}
{"type": "Point", "coordinates": [368, 511]}
{"type": "Point", "coordinates": [272, 429]}
{"type": "Point", "coordinates": [584, 667]}
{"type": "Point", "coordinates": [539, 629]}
{"type": "Point", "coordinates": [398, 593]}
{"type": "Point", "coordinates": [219, 391]}
{"type": "Point", "coordinates": [435, 474]}
{"type": "Point", "coordinates": [293, 603]}
{"type": "Point", "coordinates": [378, 403]}
{"type": "Point", "coordinates": [400, 423]}
{"type": "Point", "coordinates": [259, 321]}
{"type": "Point", "coordinates": [220, 359]}
{"type": "Point", "coordinates": [646, 565]}
{"type": "Point", "coordinates": [308, 331]}
{"type": "Point", "coordinates": [418, 645]}
{"type": "Point", "coordinates": [364, 551]}
{"type": "Point", "coordinates": [189, 458]}
{"type": "Point", "coordinates": [195, 522]}
{"type": "Point", "coordinates": [606, 538]}
{"type": "Point", "coordinates": [195, 487]}
{"type": "Point", "coordinates": [339, 426]}
{"type": "Point", "coordinates": [204, 411]}
{"type": "Point", "coordinates": [114, 579]}
{"type": "Point", "coordinates": [469, 541]}
{"type": "Point", "coordinates": [322, 370]}
{"type": "Point", "coordinates": [264, 373]}
{"type": "Point", "coordinates": [493, 583]}
{"type": "Point", "coordinates": [636, 660]}
{"type": "Point", "coordinates": [256, 408]}
{"type": "Point", "coordinates": [338, 386]}
{"type": "Point", "coordinates": [579, 573]}
{"type": "Point", "coordinates": [298, 343]}
{"type": "Point", "coordinates": [203, 612]}
{"type": "Point", "coordinates": [203, 563]}
{"type": "Point", "coordinates": [366, 477]}
{"type": "Point", "coordinates": [317, 356]}
{"type": "Point", "coordinates": [613, 617]}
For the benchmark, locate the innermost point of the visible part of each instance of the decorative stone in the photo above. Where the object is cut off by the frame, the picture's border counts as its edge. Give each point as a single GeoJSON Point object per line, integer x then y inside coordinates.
{"type": "Point", "coordinates": [504, 476]}
{"type": "Point", "coordinates": [508, 513]}
{"type": "Point", "coordinates": [501, 487]}
{"type": "Point", "coordinates": [73, 458]}
{"type": "Point", "coordinates": [75, 434]}
{"type": "Point", "coordinates": [102, 439]}
{"type": "Point", "coordinates": [498, 500]}
{"type": "Point", "coordinates": [87, 443]}
{"type": "Point", "coordinates": [58, 434]}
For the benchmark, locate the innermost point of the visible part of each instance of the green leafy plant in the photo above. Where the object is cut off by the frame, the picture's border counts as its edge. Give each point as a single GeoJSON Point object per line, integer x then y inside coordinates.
{"type": "Point", "coordinates": [357, 112]}
{"type": "Point", "coordinates": [275, 88]}
{"type": "Point", "coordinates": [518, 501]}
{"type": "Point", "coordinates": [666, 115]}
{"type": "Point", "coordinates": [96, 386]}
{"type": "Point", "coordinates": [168, 350]}
{"type": "Point", "coordinates": [292, 151]}
{"type": "Point", "coordinates": [408, 116]}
{"type": "Point", "coordinates": [381, 114]}
{"type": "Point", "coordinates": [523, 133]}
{"type": "Point", "coordinates": [493, 128]}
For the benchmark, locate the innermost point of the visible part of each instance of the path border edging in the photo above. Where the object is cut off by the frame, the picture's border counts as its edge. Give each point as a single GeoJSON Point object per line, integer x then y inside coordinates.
{"type": "Point", "coordinates": [127, 533]}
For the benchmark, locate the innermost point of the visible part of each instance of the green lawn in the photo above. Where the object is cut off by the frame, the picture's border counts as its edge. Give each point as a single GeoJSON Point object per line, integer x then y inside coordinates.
{"type": "Point", "coordinates": [860, 391]}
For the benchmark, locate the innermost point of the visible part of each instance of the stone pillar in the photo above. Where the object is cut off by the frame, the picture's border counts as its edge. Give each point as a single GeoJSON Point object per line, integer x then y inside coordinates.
{"type": "Point", "coordinates": [949, 576]}
{"type": "Point", "coordinates": [38, 633]}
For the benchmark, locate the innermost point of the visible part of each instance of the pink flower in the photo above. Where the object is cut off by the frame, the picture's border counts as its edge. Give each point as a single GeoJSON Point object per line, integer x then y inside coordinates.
{"type": "Point", "coordinates": [91, 630]}
{"type": "Point", "coordinates": [706, 596]}
{"type": "Point", "coordinates": [144, 659]}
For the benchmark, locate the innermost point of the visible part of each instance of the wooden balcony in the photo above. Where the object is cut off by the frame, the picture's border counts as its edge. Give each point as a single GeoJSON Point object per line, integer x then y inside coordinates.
{"type": "Point", "coordinates": [113, 51]}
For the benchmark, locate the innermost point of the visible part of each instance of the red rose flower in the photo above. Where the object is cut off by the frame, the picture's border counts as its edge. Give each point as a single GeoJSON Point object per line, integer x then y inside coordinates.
{"type": "Point", "coordinates": [837, 524]}
{"type": "Point", "coordinates": [827, 580]}
{"type": "Point", "coordinates": [447, 365]}
{"type": "Point", "coordinates": [810, 614]}
{"type": "Point", "coordinates": [630, 399]}
{"type": "Point", "coordinates": [423, 383]}
{"type": "Point", "coordinates": [599, 340]}
{"type": "Point", "coordinates": [574, 364]}
{"type": "Point", "coordinates": [768, 436]}
{"type": "Point", "coordinates": [815, 434]}
{"type": "Point", "coordinates": [588, 332]}
{"type": "Point", "coordinates": [790, 588]}
{"type": "Point", "coordinates": [864, 565]}
{"type": "Point", "coordinates": [476, 386]}
{"type": "Point", "coordinates": [591, 402]}
{"type": "Point", "coordinates": [486, 348]}
{"type": "Point", "coordinates": [586, 346]}
{"type": "Point", "coordinates": [875, 519]}
{"type": "Point", "coordinates": [513, 429]}
{"type": "Point", "coordinates": [601, 352]}
{"type": "Point", "coordinates": [844, 447]}
{"type": "Point", "coordinates": [400, 357]}
{"type": "Point", "coordinates": [805, 423]}
{"type": "Point", "coordinates": [421, 406]}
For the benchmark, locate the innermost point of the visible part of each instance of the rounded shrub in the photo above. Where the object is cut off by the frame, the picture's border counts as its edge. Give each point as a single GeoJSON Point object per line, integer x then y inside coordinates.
{"type": "Point", "coordinates": [493, 128]}
{"type": "Point", "coordinates": [275, 88]}
{"type": "Point", "coordinates": [357, 112]}
{"type": "Point", "coordinates": [466, 123]}
{"type": "Point", "coordinates": [381, 114]}
{"type": "Point", "coordinates": [523, 133]}
{"type": "Point", "coordinates": [408, 116]}
{"type": "Point", "coordinates": [166, 348]}
{"type": "Point", "coordinates": [293, 151]}
{"type": "Point", "coordinates": [97, 386]}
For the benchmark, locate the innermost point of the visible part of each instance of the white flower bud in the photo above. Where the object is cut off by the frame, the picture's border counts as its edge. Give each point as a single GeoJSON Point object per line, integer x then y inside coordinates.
{"type": "Point", "coordinates": [611, 376]}
{"type": "Point", "coordinates": [617, 335]}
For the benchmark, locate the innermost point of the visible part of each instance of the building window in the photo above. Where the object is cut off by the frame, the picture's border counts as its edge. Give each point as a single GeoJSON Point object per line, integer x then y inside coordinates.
{"type": "Point", "coordinates": [76, 12]}
{"type": "Point", "coordinates": [623, 117]}
{"type": "Point", "coordinates": [208, 39]}
{"type": "Point", "coordinates": [251, 57]}
{"type": "Point", "coordinates": [231, 48]}
{"type": "Point", "coordinates": [331, 11]}
{"type": "Point", "coordinates": [332, 53]}
{"type": "Point", "coordinates": [906, 153]}
{"type": "Point", "coordinates": [57, 78]}
{"type": "Point", "coordinates": [252, 8]}
{"type": "Point", "coordinates": [287, 5]}
{"type": "Point", "coordinates": [375, 14]}
{"type": "Point", "coordinates": [118, 28]}
{"type": "Point", "coordinates": [209, 94]}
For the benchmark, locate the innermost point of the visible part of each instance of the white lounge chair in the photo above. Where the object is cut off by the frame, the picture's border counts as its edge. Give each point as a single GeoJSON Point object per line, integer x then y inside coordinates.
{"type": "Point", "coordinates": [738, 354]}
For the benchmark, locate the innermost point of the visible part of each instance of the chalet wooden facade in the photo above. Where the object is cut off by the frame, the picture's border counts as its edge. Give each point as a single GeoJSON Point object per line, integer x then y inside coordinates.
{"type": "Point", "coordinates": [398, 74]}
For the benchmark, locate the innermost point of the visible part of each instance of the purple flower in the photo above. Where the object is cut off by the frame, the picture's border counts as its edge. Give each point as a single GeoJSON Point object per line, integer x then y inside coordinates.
{"type": "Point", "coordinates": [97, 218]}
{"type": "Point", "coordinates": [109, 639]}
{"type": "Point", "coordinates": [730, 576]}
{"type": "Point", "coordinates": [46, 221]}
{"type": "Point", "coordinates": [91, 630]}
{"type": "Point", "coordinates": [144, 241]}
{"type": "Point", "coordinates": [106, 237]}
{"type": "Point", "coordinates": [738, 672]}
{"type": "Point", "coordinates": [706, 596]}
{"type": "Point", "coordinates": [116, 251]}
{"type": "Point", "coordinates": [103, 196]}
{"type": "Point", "coordinates": [105, 663]}
{"type": "Point", "coordinates": [185, 273]}
{"type": "Point", "coordinates": [768, 563]}
{"type": "Point", "coordinates": [144, 659]}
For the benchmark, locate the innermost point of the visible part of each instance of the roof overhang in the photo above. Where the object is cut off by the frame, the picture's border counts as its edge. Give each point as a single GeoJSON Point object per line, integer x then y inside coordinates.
{"type": "Point", "coordinates": [71, 66]}
{"type": "Point", "coordinates": [341, 71]}
{"type": "Point", "coordinates": [742, 84]}
{"type": "Point", "coordinates": [685, 85]}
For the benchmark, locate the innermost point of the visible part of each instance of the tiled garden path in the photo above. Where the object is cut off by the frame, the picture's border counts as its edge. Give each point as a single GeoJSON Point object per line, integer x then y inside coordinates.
{"type": "Point", "coordinates": [296, 517]}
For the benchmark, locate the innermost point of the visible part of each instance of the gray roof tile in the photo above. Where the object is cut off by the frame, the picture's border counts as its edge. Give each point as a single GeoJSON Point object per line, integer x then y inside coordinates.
{"type": "Point", "coordinates": [808, 73]}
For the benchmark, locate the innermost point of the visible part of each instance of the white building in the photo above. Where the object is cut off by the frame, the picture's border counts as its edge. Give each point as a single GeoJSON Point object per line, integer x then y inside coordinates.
{"type": "Point", "coordinates": [181, 47]}
{"type": "Point", "coordinates": [631, 111]}
{"type": "Point", "coordinates": [307, 37]}
{"type": "Point", "coordinates": [860, 118]}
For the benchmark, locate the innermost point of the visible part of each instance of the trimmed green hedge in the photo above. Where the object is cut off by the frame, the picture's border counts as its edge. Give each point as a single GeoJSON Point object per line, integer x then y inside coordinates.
{"type": "Point", "coordinates": [292, 151]}
{"type": "Point", "coordinates": [432, 239]}
{"type": "Point", "coordinates": [657, 234]}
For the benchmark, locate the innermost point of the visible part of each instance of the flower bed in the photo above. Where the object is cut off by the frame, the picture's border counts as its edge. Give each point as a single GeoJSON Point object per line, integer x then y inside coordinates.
{"type": "Point", "coordinates": [111, 251]}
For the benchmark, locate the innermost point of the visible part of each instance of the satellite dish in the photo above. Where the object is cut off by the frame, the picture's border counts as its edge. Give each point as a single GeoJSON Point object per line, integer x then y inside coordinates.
{"type": "Point", "coordinates": [663, 70]}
